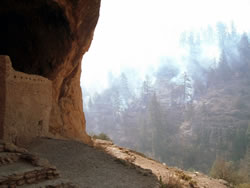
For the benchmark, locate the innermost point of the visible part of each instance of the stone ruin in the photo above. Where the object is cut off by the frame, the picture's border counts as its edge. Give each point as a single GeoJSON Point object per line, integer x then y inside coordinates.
{"type": "Point", "coordinates": [25, 104]}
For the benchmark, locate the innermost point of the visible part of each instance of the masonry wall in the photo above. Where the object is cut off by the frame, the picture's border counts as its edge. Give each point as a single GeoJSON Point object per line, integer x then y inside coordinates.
{"type": "Point", "coordinates": [2, 95]}
{"type": "Point", "coordinates": [28, 102]}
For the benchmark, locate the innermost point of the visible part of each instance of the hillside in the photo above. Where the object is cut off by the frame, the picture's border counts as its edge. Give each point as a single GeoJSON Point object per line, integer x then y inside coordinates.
{"type": "Point", "coordinates": [219, 123]}
{"type": "Point", "coordinates": [208, 133]}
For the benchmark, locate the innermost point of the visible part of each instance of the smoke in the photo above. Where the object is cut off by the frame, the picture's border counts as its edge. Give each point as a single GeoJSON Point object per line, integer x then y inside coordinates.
{"type": "Point", "coordinates": [138, 34]}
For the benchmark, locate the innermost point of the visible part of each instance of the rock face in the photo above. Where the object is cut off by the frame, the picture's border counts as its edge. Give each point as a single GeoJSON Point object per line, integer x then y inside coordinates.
{"type": "Point", "coordinates": [27, 105]}
{"type": "Point", "coordinates": [49, 38]}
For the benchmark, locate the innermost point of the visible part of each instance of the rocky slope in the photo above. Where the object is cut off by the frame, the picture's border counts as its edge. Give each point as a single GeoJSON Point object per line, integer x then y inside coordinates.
{"type": "Point", "coordinates": [168, 175]}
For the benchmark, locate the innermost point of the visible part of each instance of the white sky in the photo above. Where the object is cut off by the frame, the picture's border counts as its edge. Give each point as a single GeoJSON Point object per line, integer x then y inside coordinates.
{"type": "Point", "coordinates": [137, 33]}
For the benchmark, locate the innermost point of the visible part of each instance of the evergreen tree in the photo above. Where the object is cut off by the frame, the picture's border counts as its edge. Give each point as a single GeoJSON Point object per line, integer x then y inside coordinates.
{"type": "Point", "coordinates": [222, 33]}
{"type": "Point", "coordinates": [116, 102]}
{"type": "Point", "coordinates": [211, 75]}
{"type": "Point", "coordinates": [248, 151]}
{"type": "Point", "coordinates": [239, 146]}
{"type": "Point", "coordinates": [233, 34]}
{"type": "Point", "coordinates": [194, 66]}
{"type": "Point", "coordinates": [147, 91]}
{"type": "Point", "coordinates": [209, 35]}
{"type": "Point", "coordinates": [111, 79]}
{"type": "Point", "coordinates": [187, 88]}
{"type": "Point", "coordinates": [244, 52]}
{"type": "Point", "coordinates": [124, 87]}
{"type": "Point", "coordinates": [194, 45]}
{"type": "Point", "coordinates": [183, 39]}
{"type": "Point", "coordinates": [156, 125]}
{"type": "Point", "coordinates": [224, 70]}
{"type": "Point", "coordinates": [90, 104]}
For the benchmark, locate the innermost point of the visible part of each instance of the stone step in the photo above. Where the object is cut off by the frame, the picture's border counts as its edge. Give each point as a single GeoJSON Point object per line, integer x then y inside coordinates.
{"type": "Point", "coordinates": [9, 147]}
{"type": "Point", "coordinates": [57, 183]}
{"type": "Point", "coordinates": [8, 158]}
{"type": "Point", "coordinates": [21, 172]}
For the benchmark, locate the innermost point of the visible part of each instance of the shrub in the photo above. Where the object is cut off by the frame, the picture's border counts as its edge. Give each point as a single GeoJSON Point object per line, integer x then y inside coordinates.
{"type": "Point", "coordinates": [102, 136]}
{"type": "Point", "coordinates": [225, 170]}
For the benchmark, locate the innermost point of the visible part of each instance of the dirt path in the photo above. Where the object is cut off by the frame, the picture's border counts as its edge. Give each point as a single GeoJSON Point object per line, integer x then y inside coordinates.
{"type": "Point", "coordinates": [91, 168]}
{"type": "Point", "coordinates": [187, 179]}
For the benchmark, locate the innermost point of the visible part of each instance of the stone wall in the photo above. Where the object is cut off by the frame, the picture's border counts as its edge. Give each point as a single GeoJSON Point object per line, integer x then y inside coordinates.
{"type": "Point", "coordinates": [2, 95]}
{"type": "Point", "coordinates": [26, 104]}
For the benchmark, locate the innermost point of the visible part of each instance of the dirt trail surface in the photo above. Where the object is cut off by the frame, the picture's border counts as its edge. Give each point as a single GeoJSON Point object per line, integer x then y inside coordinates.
{"type": "Point", "coordinates": [89, 167]}
{"type": "Point", "coordinates": [187, 179]}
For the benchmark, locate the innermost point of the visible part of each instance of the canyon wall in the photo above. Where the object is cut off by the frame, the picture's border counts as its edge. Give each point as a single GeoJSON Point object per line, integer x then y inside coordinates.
{"type": "Point", "coordinates": [49, 38]}
{"type": "Point", "coordinates": [27, 104]}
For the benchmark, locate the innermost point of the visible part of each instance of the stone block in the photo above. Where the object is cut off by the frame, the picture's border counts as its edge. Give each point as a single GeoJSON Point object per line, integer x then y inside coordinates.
{"type": "Point", "coordinates": [30, 175]}
{"type": "Point", "coordinates": [31, 180]}
{"type": "Point", "coordinates": [20, 182]}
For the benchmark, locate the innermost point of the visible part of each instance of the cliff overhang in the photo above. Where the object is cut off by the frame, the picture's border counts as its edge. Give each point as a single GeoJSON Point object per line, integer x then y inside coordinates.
{"type": "Point", "coordinates": [48, 38]}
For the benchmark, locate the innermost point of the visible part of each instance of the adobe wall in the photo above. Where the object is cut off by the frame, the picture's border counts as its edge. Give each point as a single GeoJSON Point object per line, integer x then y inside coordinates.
{"type": "Point", "coordinates": [28, 102]}
{"type": "Point", "coordinates": [2, 95]}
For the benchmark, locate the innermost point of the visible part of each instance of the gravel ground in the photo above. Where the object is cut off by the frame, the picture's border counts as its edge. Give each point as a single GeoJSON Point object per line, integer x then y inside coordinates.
{"type": "Point", "coordinates": [89, 167]}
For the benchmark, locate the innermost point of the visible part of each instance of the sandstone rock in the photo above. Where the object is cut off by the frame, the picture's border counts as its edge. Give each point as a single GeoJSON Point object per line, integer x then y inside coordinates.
{"type": "Point", "coordinates": [16, 177]}
{"type": "Point", "coordinates": [21, 150]}
{"type": "Point", "coordinates": [31, 180]}
{"type": "Point", "coordinates": [42, 162]}
{"type": "Point", "coordinates": [49, 38]}
{"type": "Point", "coordinates": [30, 175]}
{"type": "Point", "coordinates": [20, 182]}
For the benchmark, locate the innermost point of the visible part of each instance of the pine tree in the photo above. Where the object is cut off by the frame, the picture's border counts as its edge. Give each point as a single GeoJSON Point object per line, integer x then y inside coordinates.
{"type": "Point", "coordinates": [248, 151]}
{"type": "Point", "coordinates": [187, 88]}
{"type": "Point", "coordinates": [165, 73]}
{"type": "Point", "coordinates": [183, 39]}
{"type": "Point", "coordinates": [194, 45]}
{"type": "Point", "coordinates": [244, 51]}
{"type": "Point", "coordinates": [156, 124]}
{"type": "Point", "coordinates": [209, 35]}
{"type": "Point", "coordinates": [116, 102]}
{"type": "Point", "coordinates": [124, 87]}
{"type": "Point", "coordinates": [182, 93]}
{"type": "Point", "coordinates": [222, 33]}
{"type": "Point", "coordinates": [90, 104]}
{"type": "Point", "coordinates": [233, 34]}
{"type": "Point", "coordinates": [147, 91]}
{"type": "Point", "coordinates": [224, 70]}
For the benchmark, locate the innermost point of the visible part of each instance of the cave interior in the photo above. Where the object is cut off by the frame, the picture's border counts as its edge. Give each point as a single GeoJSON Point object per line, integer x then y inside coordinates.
{"type": "Point", "coordinates": [35, 34]}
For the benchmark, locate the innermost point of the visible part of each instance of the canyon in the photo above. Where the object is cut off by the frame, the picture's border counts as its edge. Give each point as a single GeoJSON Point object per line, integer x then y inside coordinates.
{"type": "Point", "coordinates": [42, 46]}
